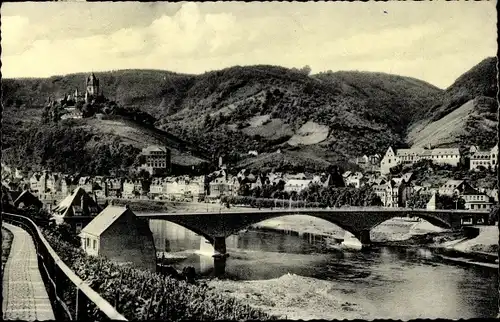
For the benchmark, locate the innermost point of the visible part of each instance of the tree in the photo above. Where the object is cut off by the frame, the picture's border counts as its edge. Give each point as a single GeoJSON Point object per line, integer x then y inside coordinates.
{"type": "Point", "coordinates": [88, 110]}
{"type": "Point", "coordinates": [244, 190]}
{"type": "Point", "coordinates": [418, 200]}
{"type": "Point", "coordinates": [449, 202]}
{"type": "Point", "coordinates": [306, 70]}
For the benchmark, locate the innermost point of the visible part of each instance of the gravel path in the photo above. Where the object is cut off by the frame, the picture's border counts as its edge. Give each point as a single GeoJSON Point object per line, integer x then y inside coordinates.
{"type": "Point", "coordinates": [23, 291]}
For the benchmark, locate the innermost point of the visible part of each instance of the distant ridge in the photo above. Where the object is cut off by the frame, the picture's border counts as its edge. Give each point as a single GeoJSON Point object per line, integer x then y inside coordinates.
{"type": "Point", "coordinates": [324, 118]}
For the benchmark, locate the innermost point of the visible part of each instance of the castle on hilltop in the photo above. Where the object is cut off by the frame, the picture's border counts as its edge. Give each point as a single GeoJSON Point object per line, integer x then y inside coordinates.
{"type": "Point", "coordinates": [92, 91]}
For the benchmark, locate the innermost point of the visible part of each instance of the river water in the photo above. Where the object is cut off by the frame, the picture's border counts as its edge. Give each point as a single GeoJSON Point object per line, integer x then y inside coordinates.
{"type": "Point", "coordinates": [382, 282]}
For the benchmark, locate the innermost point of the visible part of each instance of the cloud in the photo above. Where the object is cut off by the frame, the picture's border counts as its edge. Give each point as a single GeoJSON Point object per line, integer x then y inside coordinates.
{"type": "Point", "coordinates": [194, 38]}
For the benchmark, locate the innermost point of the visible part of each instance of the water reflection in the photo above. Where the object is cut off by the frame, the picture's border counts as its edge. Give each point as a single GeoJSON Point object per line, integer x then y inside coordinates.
{"type": "Point", "coordinates": [399, 283]}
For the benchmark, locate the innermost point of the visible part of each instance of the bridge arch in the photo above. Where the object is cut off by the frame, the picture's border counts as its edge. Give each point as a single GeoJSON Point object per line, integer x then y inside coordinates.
{"type": "Point", "coordinates": [332, 220]}
{"type": "Point", "coordinates": [191, 228]}
{"type": "Point", "coordinates": [436, 221]}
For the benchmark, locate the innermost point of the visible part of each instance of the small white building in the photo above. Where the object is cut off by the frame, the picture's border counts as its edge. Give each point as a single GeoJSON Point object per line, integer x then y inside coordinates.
{"type": "Point", "coordinates": [296, 185]}
{"type": "Point", "coordinates": [486, 159]}
{"type": "Point", "coordinates": [475, 200]}
{"type": "Point", "coordinates": [117, 234]}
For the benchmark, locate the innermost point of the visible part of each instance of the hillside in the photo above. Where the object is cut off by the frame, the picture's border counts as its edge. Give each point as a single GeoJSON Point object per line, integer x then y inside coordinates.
{"type": "Point", "coordinates": [87, 146]}
{"type": "Point", "coordinates": [266, 107]}
{"type": "Point", "coordinates": [234, 110]}
{"type": "Point", "coordinates": [466, 113]}
{"type": "Point", "coordinates": [318, 119]}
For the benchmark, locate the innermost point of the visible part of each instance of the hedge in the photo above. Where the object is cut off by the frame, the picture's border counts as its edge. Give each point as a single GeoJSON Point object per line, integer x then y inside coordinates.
{"type": "Point", "coordinates": [142, 295]}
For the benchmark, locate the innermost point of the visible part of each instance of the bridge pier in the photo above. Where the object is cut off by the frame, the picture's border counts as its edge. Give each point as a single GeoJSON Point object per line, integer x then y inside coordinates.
{"type": "Point", "coordinates": [364, 238]}
{"type": "Point", "coordinates": [219, 244]}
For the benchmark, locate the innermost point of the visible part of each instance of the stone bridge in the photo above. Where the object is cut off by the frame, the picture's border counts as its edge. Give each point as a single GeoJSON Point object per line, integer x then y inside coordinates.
{"type": "Point", "coordinates": [216, 226]}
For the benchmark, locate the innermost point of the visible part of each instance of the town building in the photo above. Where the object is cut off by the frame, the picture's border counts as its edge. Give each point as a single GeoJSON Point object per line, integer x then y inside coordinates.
{"type": "Point", "coordinates": [92, 90]}
{"type": "Point", "coordinates": [114, 187]}
{"type": "Point", "coordinates": [353, 179]}
{"type": "Point", "coordinates": [54, 183]}
{"type": "Point", "coordinates": [86, 183]}
{"type": "Point", "coordinates": [476, 200]}
{"type": "Point", "coordinates": [391, 159]}
{"type": "Point", "coordinates": [38, 182]}
{"type": "Point", "coordinates": [158, 160]}
{"type": "Point", "coordinates": [224, 185]}
{"type": "Point", "coordinates": [296, 185]}
{"type": "Point", "coordinates": [493, 193]}
{"type": "Point", "coordinates": [394, 193]}
{"type": "Point", "coordinates": [132, 188]}
{"type": "Point", "coordinates": [486, 159]}
{"type": "Point", "coordinates": [431, 204]}
{"type": "Point", "coordinates": [117, 234]}
{"type": "Point", "coordinates": [158, 188]}
{"type": "Point", "coordinates": [185, 188]}
{"type": "Point", "coordinates": [369, 163]}
{"type": "Point", "coordinates": [454, 187]}
{"type": "Point", "coordinates": [449, 156]}
{"type": "Point", "coordinates": [100, 187]}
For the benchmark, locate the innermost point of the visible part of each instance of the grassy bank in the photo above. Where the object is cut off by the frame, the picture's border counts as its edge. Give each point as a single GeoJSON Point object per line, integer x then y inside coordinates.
{"type": "Point", "coordinates": [7, 238]}
{"type": "Point", "coordinates": [485, 242]}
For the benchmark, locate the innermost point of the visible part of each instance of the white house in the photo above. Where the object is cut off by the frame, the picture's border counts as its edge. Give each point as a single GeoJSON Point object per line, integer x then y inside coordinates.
{"type": "Point", "coordinates": [354, 179]}
{"type": "Point", "coordinates": [486, 159]}
{"type": "Point", "coordinates": [476, 200]}
{"type": "Point", "coordinates": [296, 185]}
{"type": "Point", "coordinates": [117, 234]}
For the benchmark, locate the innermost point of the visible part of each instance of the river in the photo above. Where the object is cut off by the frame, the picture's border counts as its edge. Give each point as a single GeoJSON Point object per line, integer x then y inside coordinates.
{"type": "Point", "coordinates": [291, 276]}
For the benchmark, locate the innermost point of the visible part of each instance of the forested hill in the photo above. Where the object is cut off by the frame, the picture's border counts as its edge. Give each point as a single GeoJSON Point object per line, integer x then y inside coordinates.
{"type": "Point", "coordinates": [328, 117]}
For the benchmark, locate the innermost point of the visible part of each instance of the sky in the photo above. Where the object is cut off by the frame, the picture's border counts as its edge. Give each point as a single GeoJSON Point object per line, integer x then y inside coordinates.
{"type": "Point", "coordinates": [433, 41]}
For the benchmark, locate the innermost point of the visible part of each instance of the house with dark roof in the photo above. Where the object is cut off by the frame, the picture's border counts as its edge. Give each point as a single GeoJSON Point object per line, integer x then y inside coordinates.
{"type": "Point", "coordinates": [454, 187]}
{"type": "Point", "coordinates": [476, 200]}
{"type": "Point", "coordinates": [77, 209]}
{"type": "Point", "coordinates": [117, 234]}
{"type": "Point", "coordinates": [27, 199]}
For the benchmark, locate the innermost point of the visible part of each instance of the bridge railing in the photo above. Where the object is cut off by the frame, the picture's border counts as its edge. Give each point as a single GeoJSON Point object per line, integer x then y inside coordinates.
{"type": "Point", "coordinates": [71, 297]}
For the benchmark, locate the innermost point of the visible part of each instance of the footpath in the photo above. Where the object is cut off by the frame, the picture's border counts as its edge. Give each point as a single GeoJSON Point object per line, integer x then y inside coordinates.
{"type": "Point", "coordinates": [23, 292]}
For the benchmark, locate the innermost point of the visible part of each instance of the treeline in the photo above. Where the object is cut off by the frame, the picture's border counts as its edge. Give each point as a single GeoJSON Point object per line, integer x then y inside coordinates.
{"type": "Point", "coordinates": [420, 201]}
{"type": "Point", "coordinates": [313, 196]}
{"type": "Point", "coordinates": [268, 203]}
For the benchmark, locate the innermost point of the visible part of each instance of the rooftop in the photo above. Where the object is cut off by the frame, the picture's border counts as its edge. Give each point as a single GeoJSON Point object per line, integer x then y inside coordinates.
{"type": "Point", "coordinates": [104, 220]}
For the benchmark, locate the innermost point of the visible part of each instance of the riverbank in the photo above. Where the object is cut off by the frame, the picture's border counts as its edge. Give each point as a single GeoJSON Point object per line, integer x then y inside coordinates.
{"type": "Point", "coordinates": [296, 297]}
{"type": "Point", "coordinates": [481, 250]}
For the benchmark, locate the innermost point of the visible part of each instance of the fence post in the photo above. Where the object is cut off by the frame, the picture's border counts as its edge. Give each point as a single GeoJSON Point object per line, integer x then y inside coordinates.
{"type": "Point", "coordinates": [81, 306]}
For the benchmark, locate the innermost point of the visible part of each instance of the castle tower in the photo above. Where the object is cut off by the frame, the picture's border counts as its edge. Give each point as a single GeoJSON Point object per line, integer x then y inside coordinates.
{"type": "Point", "coordinates": [92, 87]}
